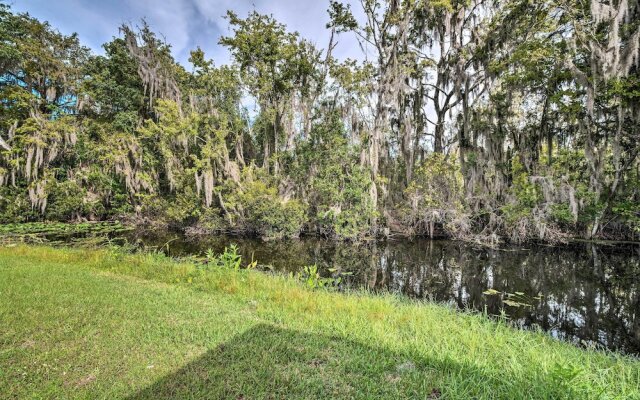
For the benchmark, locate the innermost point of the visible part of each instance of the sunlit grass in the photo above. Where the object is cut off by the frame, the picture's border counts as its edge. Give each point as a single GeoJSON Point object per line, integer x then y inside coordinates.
{"type": "Point", "coordinates": [103, 324]}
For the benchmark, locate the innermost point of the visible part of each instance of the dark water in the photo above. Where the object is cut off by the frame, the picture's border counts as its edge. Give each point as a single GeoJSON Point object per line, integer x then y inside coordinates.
{"type": "Point", "coordinates": [586, 294]}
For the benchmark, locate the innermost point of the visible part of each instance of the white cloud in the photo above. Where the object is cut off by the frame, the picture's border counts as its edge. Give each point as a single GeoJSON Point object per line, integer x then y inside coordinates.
{"type": "Point", "coordinates": [185, 24]}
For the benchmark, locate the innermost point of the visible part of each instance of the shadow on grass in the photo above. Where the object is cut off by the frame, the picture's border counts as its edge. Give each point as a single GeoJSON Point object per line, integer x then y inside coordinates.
{"type": "Point", "coordinates": [267, 362]}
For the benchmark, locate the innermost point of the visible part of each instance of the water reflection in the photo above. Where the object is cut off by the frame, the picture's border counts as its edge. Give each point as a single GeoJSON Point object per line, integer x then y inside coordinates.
{"type": "Point", "coordinates": [586, 294]}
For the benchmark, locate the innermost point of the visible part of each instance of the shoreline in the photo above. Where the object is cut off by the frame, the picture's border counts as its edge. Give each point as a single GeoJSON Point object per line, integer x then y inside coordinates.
{"type": "Point", "coordinates": [122, 225]}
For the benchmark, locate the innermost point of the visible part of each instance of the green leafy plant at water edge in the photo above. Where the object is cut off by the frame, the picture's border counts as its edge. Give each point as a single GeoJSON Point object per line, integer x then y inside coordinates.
{"type": "Point", "coordinates": [229, 259]}
{"type": "Point", "coordinates": [312, 278]}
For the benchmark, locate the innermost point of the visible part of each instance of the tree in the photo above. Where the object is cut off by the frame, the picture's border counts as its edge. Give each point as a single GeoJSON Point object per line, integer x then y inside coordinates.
{"type": "Point", "coordinates": [275, 65]}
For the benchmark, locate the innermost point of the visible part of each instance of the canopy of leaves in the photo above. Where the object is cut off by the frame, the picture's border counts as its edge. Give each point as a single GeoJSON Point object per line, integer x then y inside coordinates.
{"type": "Point", "coordinates": [474, 118]}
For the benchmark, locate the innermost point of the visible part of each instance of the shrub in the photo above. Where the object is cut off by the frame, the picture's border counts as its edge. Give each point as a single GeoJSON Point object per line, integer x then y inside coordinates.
{"type": "Point", "coordinates": [229, 259]}
{"type": "Point", "coordinates": [151, 206]}
{"type": "Point", "coordinates": [343, 207]}
{"type": "Point", "coordinates": [434, 197]}
{"type": "Point", "coordinates": [15, 206]}
{"type": "Point", "coordinates": [184, 208]}
{"type": "Point", "coordinates": [311, 277]}
{"type": "Point", "coordinates": [336, 187]}
{"type": "Point", "coordinates": [536, 207]}
{"type": "Point", "coordinates": [210, 220]}
{"type": "Point", "coordinates": [268, 215]}
{"type": "Point", "coordinates": [68, 201]}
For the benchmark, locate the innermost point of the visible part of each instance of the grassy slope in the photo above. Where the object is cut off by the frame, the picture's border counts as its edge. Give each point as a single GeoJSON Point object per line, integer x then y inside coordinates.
{"type": "Point", "coordinates": [95, 324]}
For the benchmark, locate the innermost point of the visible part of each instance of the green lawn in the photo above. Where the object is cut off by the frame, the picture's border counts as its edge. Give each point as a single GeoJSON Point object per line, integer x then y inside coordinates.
{"type": "Point", "coordinates": [101, 324]}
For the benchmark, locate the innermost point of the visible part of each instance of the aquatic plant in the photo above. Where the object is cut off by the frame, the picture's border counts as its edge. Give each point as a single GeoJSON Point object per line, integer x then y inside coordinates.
{"type": "Point", "coordinates": [311, 277]}
{"type": "Point", "coordinates": [62, 229]}
{"type": "Point", "coordinates": [228, 259]}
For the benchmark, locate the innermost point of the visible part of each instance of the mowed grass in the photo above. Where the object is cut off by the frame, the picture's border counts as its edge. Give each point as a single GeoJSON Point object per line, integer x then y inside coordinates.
{"type": "Point", "coordinates": [101, 324]}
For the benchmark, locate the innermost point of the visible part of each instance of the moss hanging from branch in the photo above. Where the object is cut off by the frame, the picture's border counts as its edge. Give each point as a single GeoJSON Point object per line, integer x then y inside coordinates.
{"type": "Point", "coordinates": [155, 66]}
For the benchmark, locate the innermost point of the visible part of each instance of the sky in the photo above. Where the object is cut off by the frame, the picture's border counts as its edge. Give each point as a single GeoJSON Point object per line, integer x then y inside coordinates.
{"type": "Point", "coordinates": [185, 24]}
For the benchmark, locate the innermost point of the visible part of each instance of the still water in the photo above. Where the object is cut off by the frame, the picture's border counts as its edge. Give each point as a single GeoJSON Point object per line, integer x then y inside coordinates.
{"type": "Point", "coordinates": [585, 293]}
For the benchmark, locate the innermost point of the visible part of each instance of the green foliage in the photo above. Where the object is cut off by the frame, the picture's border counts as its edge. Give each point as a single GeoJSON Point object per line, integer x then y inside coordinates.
{"type": "Point", "coordinates": [184, 208]}
{"type": "Point", "coordinates": [563, 377]}
{"type": "Point", "coordinates": [435, 196]}
{"type": "Point", "coordinates": [343, 205]}
{"type": "Point", "coordinates": [337, 148]}
{"type": "Point", "coordinates": [312, 279]}
{"type": "Point", "coordinates": [210, 220]}
{"type": "Point", "coordinates": [229, 259]}
{"type": "Point", "coordinates": [266, 53]}
{"type": "Point", "coordinates": [629, 212]}
{"type": "Point", "coordinates": [274, 66]}
{"type": "Point", "coordinates": [525, 195]}
{"type": "Point", "coordinates": [337, 188]}
{"type": "Point", "coordinates": [113, 86]}
{"type": "Point", "coordinates": [561, 213]}
{"type": "Point", "coordinates": [268, 215]}
{"type": "Point", "coordinates": [341, 17]}
{"type": "Point", "coordinates": [15, 206]}
{"type": "Point", "coordinates": [437, 184]}
{"type": "Point", "coordinates": [626, 207]}
{"type": "Point", "coordinates": [67, 201]}
{"type": "Point", "coordinates": [525, 192]}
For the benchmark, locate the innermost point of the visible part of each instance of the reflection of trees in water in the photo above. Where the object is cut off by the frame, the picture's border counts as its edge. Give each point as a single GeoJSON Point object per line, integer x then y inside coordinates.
{"type": "Point", "coordinates": [589, 292]}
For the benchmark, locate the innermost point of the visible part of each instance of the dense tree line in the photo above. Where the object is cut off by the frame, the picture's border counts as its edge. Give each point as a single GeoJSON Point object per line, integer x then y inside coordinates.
{"type": "Point", "coordinates": [476, 119]}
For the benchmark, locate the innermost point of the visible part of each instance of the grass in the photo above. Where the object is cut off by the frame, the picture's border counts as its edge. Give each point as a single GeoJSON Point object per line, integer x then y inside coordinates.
{"type": "Point", "coordinates": [101, 324]}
